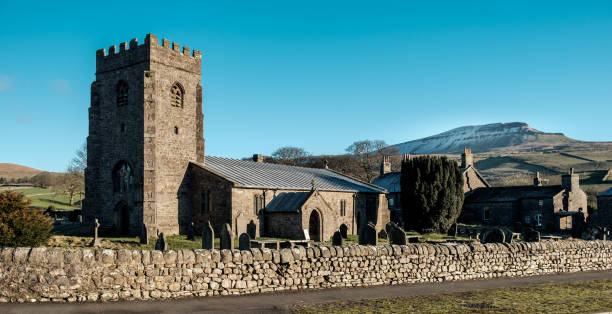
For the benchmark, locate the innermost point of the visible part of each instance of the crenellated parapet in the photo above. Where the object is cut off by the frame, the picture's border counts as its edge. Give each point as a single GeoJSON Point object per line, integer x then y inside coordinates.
{"type": "Point", "coordinates": [150, 50]}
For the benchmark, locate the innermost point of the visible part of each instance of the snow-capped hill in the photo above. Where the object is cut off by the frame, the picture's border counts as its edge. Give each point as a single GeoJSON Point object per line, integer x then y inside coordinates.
{"type": "Point", "coordinates": [485, 138]}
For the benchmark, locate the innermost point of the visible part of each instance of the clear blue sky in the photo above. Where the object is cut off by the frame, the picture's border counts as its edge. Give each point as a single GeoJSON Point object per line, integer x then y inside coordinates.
{"type": "Point", "coordinates": [316, 74]}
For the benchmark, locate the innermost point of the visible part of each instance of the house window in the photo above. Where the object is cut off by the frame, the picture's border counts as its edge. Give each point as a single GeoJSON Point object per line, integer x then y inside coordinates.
{"type": "Point", "coordinates": [122, 93]}
{"type": "Point", "coordinates": [258, 203]}
{"type": "Point", "coordinates": [342, 208]}
{"type": "Point", "coordinates": [538, 220]}
{"type": "Point", "coordinates": [205, 202]}
{"type": "Point", "coordinates": [176, 95]}
{"type": "Point", "coordinates": [486, 214]}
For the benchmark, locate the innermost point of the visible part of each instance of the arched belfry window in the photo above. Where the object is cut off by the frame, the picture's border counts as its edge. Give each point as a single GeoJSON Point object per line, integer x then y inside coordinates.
{"type": "Point", "coordinates": [122, 93]}
{"type": "Point", "coordinates": [177, 94]}
{"type": "Point", "coordinates": [123, 177]}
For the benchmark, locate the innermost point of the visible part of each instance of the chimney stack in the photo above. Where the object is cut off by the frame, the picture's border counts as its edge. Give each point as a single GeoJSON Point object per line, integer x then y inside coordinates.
{"type": "Point", "coordinates": [385, 165]}
{"type": "Point", "coordinates": [467, 159]}
{"type": "Point", "coordinates": [258, 158]}
{"type": "Point", "coordinates": [570, 181]}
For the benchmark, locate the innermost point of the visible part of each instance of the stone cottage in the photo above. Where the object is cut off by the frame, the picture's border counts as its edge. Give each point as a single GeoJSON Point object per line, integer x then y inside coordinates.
{"type": "Point", "coordinates": [283, 201]}
{"type": "Point", "coordinates": [390, 181]}
{"type": "Point", "coordinates": [553, 208]}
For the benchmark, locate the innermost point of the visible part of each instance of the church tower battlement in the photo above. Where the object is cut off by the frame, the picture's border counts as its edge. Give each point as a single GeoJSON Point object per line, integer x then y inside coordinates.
{"type": "Point", "coordinates": [145, 125]}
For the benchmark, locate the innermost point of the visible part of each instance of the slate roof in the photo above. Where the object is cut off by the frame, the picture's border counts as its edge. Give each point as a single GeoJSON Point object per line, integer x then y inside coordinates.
{"type": "Point", "coordinates": [389, 181]}
{"type": "Point", "coordinates": [512, 193]}
{"type": "Point", "coordinates": [274, 176]}
{"type": "Point", "coordinates": [288, 201]}
{"type": "Point", "coordinates": [607, 192]}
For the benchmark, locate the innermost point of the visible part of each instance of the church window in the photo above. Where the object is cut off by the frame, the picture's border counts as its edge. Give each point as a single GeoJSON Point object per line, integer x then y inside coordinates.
{"type": "Point", "coordinates": [342, 208]}
{"type": "Point", "coordinates": [176, 95]}
{"type": "Point", "coordinates": [123, 177]}
{"type": "Point", "coordinates": [257, 203]}
{"type": "Point", "coordinates": [122, 93]}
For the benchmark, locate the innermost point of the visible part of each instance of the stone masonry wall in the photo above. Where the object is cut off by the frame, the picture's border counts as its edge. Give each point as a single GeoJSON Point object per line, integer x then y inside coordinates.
{"type": "Point", "coordinates": [54, 274]}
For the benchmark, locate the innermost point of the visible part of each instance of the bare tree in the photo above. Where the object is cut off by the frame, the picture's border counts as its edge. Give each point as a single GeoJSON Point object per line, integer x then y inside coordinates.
{"type": "Point", "coordinates": [290, 154]}
{"type": "Point", "coordinates": [79, 161]}
{"type": "Point", "coordinates": [73, 183]}
{"type": "Point", "coordinates": [368, 153]}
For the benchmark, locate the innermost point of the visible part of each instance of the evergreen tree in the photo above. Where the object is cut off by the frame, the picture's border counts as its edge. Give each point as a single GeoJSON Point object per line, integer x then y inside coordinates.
{"type": "Point", "coordinates": [432, 193]}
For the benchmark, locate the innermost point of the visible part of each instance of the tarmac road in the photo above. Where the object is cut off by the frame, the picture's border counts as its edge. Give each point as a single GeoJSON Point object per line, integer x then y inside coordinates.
{"type": "Point", "coordinates": [281, 302]}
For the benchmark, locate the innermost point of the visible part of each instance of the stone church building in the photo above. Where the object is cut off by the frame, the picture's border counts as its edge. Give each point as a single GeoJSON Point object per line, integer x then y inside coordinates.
{"type": "Point", "coordinates": [146, 166]}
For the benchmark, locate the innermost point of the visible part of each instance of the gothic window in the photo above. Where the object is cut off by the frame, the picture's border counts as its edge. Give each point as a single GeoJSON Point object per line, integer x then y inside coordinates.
{"type": "Point", "coordinates": [342, 208]}
{"type": "Point", "coordinates": [258, 203]}
{"type": "Point", "coordinates": [123, 177]}
{"type": "Point", "coordinates": [205, 202]}
{"type": "Point", "coordinates": [122, 93]}
{"type": "Point", "coordinates": [176, 95]}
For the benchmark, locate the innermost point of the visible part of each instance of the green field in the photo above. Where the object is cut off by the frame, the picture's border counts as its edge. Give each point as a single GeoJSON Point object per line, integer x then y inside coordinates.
{"type": "Point", "coordinates": [45, 197]}
{"type": "Point", "coordinates": [574, 297]}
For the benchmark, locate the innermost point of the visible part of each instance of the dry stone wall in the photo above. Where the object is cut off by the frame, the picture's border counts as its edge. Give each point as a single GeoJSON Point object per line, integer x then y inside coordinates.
{"type": "Point", "coordinates": [53, 274]}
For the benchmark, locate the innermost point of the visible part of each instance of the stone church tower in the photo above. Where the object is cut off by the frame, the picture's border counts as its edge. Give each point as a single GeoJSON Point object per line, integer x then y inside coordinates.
{"type": "Point", "coordinates": [145, 125]}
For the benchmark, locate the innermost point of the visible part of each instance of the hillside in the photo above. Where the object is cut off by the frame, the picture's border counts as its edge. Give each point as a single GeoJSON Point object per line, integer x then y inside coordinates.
{"type": "Point", "coordinates": [14, 171]}
{"type": "Point", "coordinates": [495, 137]}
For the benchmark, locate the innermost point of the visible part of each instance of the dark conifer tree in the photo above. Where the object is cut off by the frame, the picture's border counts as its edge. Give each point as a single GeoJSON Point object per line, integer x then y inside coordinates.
{"type": "Point", "coordinates": [432, 193]}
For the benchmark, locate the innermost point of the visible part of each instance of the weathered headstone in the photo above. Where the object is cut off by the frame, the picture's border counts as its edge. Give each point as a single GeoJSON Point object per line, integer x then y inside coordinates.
{"type": "Point", "coordinates": [244, 242]}
{"type": "Point", "coordinates": [208, 237]}
{"type": "Point", "coordinates": [252, 230]}
{"type": "Point", "coordinates": [344, 231]}
{"type": "Point", "coordinates": [337, 238]}
{"type": "Point", "coordinates": [494, 236]}
{"type": "Point", "coordinates": [191, 232]}
{"type": "Point", "coordinates": [226, 237]}
{"type": "Point", "coordinates": [241, 224]}
{"type": "Point", "coordinates": [96, 241]}
{"type": "Point", "coordinates": [397, 235]}
{"type": "Point", "coordinates": [161, 244]}
{"type": "Point", "coordinates": [368, 235]}
{"type": "Point", "coordinates": [144, 235]}
{"type": "Point", "coordinates": [453, 230]}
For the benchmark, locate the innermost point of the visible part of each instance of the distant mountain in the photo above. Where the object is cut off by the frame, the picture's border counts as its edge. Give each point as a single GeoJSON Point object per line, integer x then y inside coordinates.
{"type": "Point", "coordinates": [514, 136]}
{"type": "Point", "coordinates": [14, 171]}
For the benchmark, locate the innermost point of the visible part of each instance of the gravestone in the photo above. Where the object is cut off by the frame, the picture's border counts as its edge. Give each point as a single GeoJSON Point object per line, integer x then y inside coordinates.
{"type": "Point", "coordinates": [191, 232]}
{"type": "Point", "coordinates": [382, 234]}
{"type": "Point", "coordinates": [80, 219]}
{"type": "Point", "coordinates": [252, 229]}
{"type": "Point", "coordinates": [161, 244]}
{"type": "Point", "coordinates": [453, 230]}
{"type": "Point", "coordinates": [144, 235]}
{"type": "Point", "coordinates": [226, 238]}
{"type": "Point", "coordinates": [337, 238]}
{"type": "Point", "coordinates": [241, 224]}
{"type": "Point", "coordinates": [244, 242]}
{"type": "Point", "coordinates": [208, 237]}
{"type": "Point", "coordinates": [368, 236]}
{"type": "Point", "coordinates": [494, 236]}
{"type": "Point", "coordinates": [397, 235]}
{"type": "Point", "coordinates": [531, 235]}
{"type": "Point", "coordinates": [96, 241]}
{"type": "Point", "coordinates": [344, 231]}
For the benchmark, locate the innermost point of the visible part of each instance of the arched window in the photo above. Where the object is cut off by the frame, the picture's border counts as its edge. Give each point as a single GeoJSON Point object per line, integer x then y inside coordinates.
{"type": "Point", "coordinates": [122, 93]}
{"type": "Point", "coordinates": [123, 177]}
{"type": "Point", "coordinates": [176, 95]}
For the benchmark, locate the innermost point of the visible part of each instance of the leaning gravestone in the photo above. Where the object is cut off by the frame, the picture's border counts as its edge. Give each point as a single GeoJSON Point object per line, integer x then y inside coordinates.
{"type": "Point", "coordinates": [337, 238]}
{"type": "Point", "coordinates": [494, 236]}
{"type": "Point", "coordinates": [144, 235]}
{"type": "Point", "coordinates": [397, 235]}
{"type": "Point", "coordinates": [208, 237]}
{"type": "Point", "coordinates": [191, 232]}
{"type": "Point", "coordinates": [96, 241]}
{"type": "Point", "coordinates": [162, 243]}
{"type": "Point", "coordinates": [244, 242]}
{"type": "Point", "coordinates": [226, 237]}
{"type": "Point", "coordinates": [368, 235]}
{"type": "Point", "coordinates": [251, 229]}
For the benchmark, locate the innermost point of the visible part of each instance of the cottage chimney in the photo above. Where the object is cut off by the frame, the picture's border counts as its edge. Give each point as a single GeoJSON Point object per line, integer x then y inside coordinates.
{"type": "Point", "coordinates": [258, 158]}
{"type": "Point", "coordinates": [467, 159]}
{"type": "Point", "coordinates": [570, 181]}
{"type": "Point", "coordinates": [385, 165]}
{"type": "Point", "coordinates": [537, 181]}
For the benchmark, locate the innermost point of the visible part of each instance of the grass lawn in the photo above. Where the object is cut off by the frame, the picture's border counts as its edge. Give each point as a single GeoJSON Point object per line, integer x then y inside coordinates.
{"type": "Point", "coordinates": [45, 197]}
{"type": "Point", "coordinates": [575, 297]}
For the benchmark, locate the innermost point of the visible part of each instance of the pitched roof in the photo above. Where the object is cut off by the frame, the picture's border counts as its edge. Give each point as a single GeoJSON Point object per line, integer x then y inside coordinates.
{"type": "Point", "coordinates": [607, 192]}
{"type": "Point", "coordinates": [288, 201]}
{"type": "Point", "coordinates": [464, 170]}
{"type": "Point", "coordinates": [274, 176]}
{"type": "Point", "coordinates": [390, 181]}
{"type": "Point", "coordinates": [512, 193]}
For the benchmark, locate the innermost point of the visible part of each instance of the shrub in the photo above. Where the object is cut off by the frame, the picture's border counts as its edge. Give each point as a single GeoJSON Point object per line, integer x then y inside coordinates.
{"type": "Point", "coordinates": [432, 193]}
{"type": "Point", "coordinates": [20, 225]}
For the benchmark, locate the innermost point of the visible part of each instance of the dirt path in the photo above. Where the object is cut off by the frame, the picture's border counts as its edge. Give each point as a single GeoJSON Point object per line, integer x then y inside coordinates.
{"type": "Point", "coordinates": [281, 302]}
